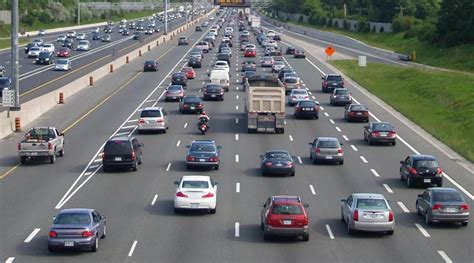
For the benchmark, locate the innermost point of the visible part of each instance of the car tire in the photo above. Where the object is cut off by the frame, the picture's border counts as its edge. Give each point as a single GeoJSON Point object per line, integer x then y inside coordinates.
{"type": "Point", "coordinates": [52, 158]}
{"type": "Point", "coordinates": [317, 117]}
{"type": "Point", "coordinates": [216, 167]}
{"type": "Point", "coordinates": [350, 231]}
{"type": "Point", "coordinates": [306, 237]}
{"type": "Point", "coordinates": [177, 210]}
{"type": "Point", "coordinates": [105, 232]}
{"type": "Point", "coordinates": [95, 246]}
{"type": "Point", "coordinates": [390, 232]}
{"type": "Point", "coordinates": [369, 141]}
{"type": "Point", "coordinates": [342, 217]}
{"type": "Point", "coordinates": [418, 211]}
{"type": "Point", "coordinates": [464, 223]}
{"type": "Point", "coordinates": [23, 160]}
{"type": "Point", "coordinates": [51, 249]}
{"type": "Point", "coordinates": [315, 161]}
{"type": "Point", "coordinates": [427, 219]}
{"type": "Point", "coordinates": [292, 174]}
{"type": "Point", "coordinates": [213, 211]}
{"type": "Point", "coordinates": [266, 237]}
{"type": "Point", "coordinates": [409, 182]}
{"type": "Point", "coordinates": [341, 162]}
{"type": "Point", "coordinates": [135, 166]}
{"type": "Point", "coordinates": [61, 153]}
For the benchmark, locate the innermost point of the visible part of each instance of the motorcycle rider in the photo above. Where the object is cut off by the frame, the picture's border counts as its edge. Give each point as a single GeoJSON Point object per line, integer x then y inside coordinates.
{"type": "Point", "coordinates": [204, 119]}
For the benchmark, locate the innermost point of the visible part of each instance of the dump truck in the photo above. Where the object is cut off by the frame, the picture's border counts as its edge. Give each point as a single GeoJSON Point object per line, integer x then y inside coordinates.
{"type": "Point", "coordinates": [41, 143]}
{"type": "Point", "coordinates": [265, 104]}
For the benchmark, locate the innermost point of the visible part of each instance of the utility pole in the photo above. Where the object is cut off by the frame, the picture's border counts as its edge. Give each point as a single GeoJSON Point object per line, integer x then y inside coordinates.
{"type": "Point", "coordinates": [78, 12]}
{"type": "Point", "coordinates": [401, 10]}
{"type": "Point", "coordinates": [165, 16]}
{"type": "Point", "coordinates": [15, 57]}
{"type": "Point", "coordinates": [345, 11]}
{"type": "Point", "coordinates": [192, 9]}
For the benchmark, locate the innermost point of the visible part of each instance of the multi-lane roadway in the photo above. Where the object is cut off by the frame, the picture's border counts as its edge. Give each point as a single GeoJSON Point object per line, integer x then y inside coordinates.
{"type": "Point", "coordinates": [142, 226]}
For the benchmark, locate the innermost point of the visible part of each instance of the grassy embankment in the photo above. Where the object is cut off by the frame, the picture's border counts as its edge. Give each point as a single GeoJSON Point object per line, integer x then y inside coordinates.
{"type": "Point", "coordinates": [442, 103]}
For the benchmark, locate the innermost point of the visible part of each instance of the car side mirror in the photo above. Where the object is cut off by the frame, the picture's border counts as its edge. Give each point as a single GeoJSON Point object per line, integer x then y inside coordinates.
{"type": "Point", "coordinates": [61, 134]}
{"type": "Point", "coordinates": [343, 200]}
{"type": "Point", "coordinates": [176, 182]}
{"type": "Point", "coordinates": [216, 183]}
{"type": "Point", "coordinates": [261, 156]}
{"type": "Point", "coordinates": [402, 162]}
{"type": "Point", "coordinates": [103, 217]}
{"type": "Point", "coordinates": [54, 218]}
{"type": "Point", "coordinates": [341, 143]}
{"type": "Point", "coordinates": [219, 147]}
{"type": "Point", "coordinates": [305, 205]}
{"type": "Point", "coordinates": [420, 195]}
{"type": "Point", "coordinates": [310, 143]}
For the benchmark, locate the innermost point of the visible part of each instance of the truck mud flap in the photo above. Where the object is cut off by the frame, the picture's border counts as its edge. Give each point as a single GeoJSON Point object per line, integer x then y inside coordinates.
{"type": "Point", "coordinates": [266, 123]}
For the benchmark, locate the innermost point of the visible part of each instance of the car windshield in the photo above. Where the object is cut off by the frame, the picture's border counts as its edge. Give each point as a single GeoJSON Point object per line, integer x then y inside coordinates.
{"type": "Point", "coordinates": [250, 73]}
{"type": "Point", "coordinates": [179, 75]}
{"type": "Point", "coordinates": [278, 155]}
{"type": "Point", "coordinates": [192, 99]}
{"type": "Point", "coordinates": [287, 209]}
{"type": "Point", "coordinates": [201, 147]}
{"type": "Point", "coordinates": [35, 49]}
{"type": "Point", "coordinates": [72, 219]}
{"type": "Point", "coordinates": [83, 43]}
{"type": "Point", "coordinates": [328, 144]}
{"type": "Point", "coordinates": [358, 108]}
{"type": "Point", "coordinates": [382, 126]}
{"type": "Point", "coordinates": [4, 81]}
{"type": "Point", "coordinates": [371, 203]}
{"type": "Point", "coordinates": [195, 184]}
{"type": "Point", "coordinates": [149, 62]}
{"type": "Point", "coordinates": [117, 147]}
{"type": "Point", "coordinates": [44, 55]}
{"type": "Point", "coordinates": [426, 163]}
{"type": "Point", "coordinates": [447, 196]}
{"type": "Point", "coordinates": [279, 63]}
{"type": "Point", "coordinates": [341, 92]}
{"type": "Point", "coordinates": [175, 88]}
{"type": "Point", "coordinates": [150, 114]}
{"type": "Point", "coordinates": [307, 103]}
{"type": "Point", "coordinates": [291, 80]}
{"type": "Point", "coordinates": [334, 78]}
{"type": "Point", "coordinates": [62, 62]}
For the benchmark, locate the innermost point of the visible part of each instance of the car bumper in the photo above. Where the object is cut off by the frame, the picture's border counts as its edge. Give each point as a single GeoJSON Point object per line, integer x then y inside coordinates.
{"type": "Point", "coordinates": [278, 171]}
{"type": "Point", "coordinates": [286, 231]}
{"type": "Point", "coordinates": [61, 68]}
{"type": "Point", "coordinates": [173, 98]}
{"type": "Point", "coordinates": [78, 243]}
{"type": "Point", "coordinates": [299, 56]}
{"type": "Point", "coordinates": [445, 217]}
{"type": "Point", "coordinates": [383, 139]}
{"type": "Point", "coordinates": [201, 164]}
{"type": "Point", "coordinates": [151, 127]}
{"type": "Point", "coordinates": [374, 226]}
{"type": "Point", "coordinates": [213, 96]}
{"type": "Point", "coordinates": [35, 154]}
{"type": "Point", "coordinates": [426, 180]}
{"type": "Point", "coordinates": [193, 204]}
{"type": "Point", "coordinates": [117, 164]}
{"type": "Point", "coordinates": [307, 114]}
{"type": "Point", "coordinates": [358, 118]}
{"type": "Point", "coordinates": [341, 101]}
{"type": "Point", "coordinates": [150, 69]}
{"type": "Point", "coordinates": [328, 158]}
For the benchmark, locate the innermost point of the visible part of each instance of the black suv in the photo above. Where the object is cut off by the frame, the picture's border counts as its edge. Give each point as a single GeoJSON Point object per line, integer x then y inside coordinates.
{"type": "Point", "coordinates": [179, 78]}
{"type": "Point", "coordinates": [421, 169]}
{"type": "Point", "coordinates": [69, 43]}
{"type": "Point", "coordinates": [45, 58]}
{"type": "Point", "coordinates": [332, 81]}
{"type": "Point", "coordinates": [122, 152]}
{"type": "Point", "coordinates": [192, 104]}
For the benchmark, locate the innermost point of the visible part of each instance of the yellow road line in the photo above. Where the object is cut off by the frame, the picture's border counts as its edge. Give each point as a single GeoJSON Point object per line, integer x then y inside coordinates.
{"type": "Point", "coordinates": [9, 171]}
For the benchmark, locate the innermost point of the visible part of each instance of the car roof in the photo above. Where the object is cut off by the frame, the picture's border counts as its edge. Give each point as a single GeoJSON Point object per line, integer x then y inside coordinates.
{"type": "Point", "coordinates": [442, 189]}
{"type": "Point", "coordinates": [76, 210]}
{"type": "Point", "coordinates": [204, 141]}
{"type": "Point", "coordinates": [152, 108]}
{"type": "Point", "coordinates": [368, 195]}
{"type": "Point", "coordinates": [120, 138]}
{"type": "Point", "coordinates": [334, 75]}
{"type": "Point", "coordinates": [328, 139]}
{"type": "Point", "coordinates": [286, 199]}
{"type": "Point", "coordinates": [196, 177]}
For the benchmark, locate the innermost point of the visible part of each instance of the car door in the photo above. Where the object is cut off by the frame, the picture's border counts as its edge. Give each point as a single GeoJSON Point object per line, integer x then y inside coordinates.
{"type": "Point", "coordinates": [347, 207]}
{"type": "Point", "coordinates": [97, 223]}
{"type": "Point", "coordinates": [265, 209]}
{"type": "Point", "coordinates": [165, 117]}
{"type": "Point", "coordinates": [313, 147]}
{"type": "Point", "coordinates": [367, 131]}
{"type": "Point", "coordinates": [405, 167]}
{"type": "Point", "coordinates": [425, 202]}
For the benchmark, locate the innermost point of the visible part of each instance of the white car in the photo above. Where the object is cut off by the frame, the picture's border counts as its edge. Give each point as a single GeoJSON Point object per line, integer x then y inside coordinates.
{"type": "Point", "coordinates": [49, 47]}
{"type": "Point", "coordinates": [297, 95]}
{"type": "Point", "coordinates": [222, 65]}
{"type": "Point", "coordinates": [278, 65]}
{"type": "Point", "coordinates": [61, 38]}
{"type": "Point", "coordinates": [83, 45]}
{"type": "Point", "coordinates": [81, 36]}
{"type": "Point", "coordinates": [63, 64]}
{"type": "Point", "coordinates": [271, 43]}
{"type": "Point", "coordinates": [270, 33]}
{"type": "Point", "coordinates": [41, 32]}
{"type": "Point", "coordinates": [229, 30]}
{"type": "Point", "coordinates": [71, 34]}
{"type": "Point", "coordinates": [34, 52]}
{"type": "Point", "coordinates": [95, 30]}
{"type": "Point", "coordinates": [195, 192]}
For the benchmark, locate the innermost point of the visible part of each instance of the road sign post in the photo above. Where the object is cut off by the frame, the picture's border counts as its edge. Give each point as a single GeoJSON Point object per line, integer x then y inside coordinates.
{"type": "Point", "coordinates": [362, 61]}
{"type": "Point", "coordinates": [329, 52]}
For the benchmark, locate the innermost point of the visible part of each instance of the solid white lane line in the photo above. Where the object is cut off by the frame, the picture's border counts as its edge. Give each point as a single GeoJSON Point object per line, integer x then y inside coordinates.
{"type": "Point", "coordinates": [236, 120]}
{"type": "Point", "coordinates": [291, 137]}
{"type": "Point", "coordinates": [338, 129]}
{"type": "Point", "coordinates": [168, 167]}
{"type": "Point", "coordinates": [331, 235]}
{"type": "Point", "coordinates": [236, 158]}
{"type": "Point", "coordinates": [375, 173]}
{"type": "Point", "coordinates": [422, 230]}
{"type": "Point", "coordinates": [236, 137]}
{"type": "Point", "coordinates": [331, 121]}
{"type": "Point", "coordinates": [10, 260]}
{"type": "Point", "coordinates": [120, 134]}
{"type": "Point", "coordinates": [237, 229]}
{"type": "Point", "coordinates": [32, 235]}
{"type": "Point", "coordinates": [354, 148]}
{"type": "Point", "coordinates": [457, 185]}
{"type": "Point", "coordinates": [88, 173]}
{"type": "Point", "coordinates": [134, 120]}
{"type": "Point", "coordinates": [321, 107]}
{"type": "Point", "coordinates": [97, 161]}
{"type": "Point", "coordinates": [237, 187]}
{"type": "Point", "coordinates": [313, 97]}
{"type": "Point", "coordinates": [150, 101]}
{"type": "Point", "coordinates": [326, 114]}
{"type": "Point", "coordinates": [178, 143]}
{"type": "Point", "coordinates": [403, 207]}
{"type": "Point", "coordinates": [311, 187]}
{"type": "Point", "coordinates": [134, 245]}
{"type": "Point", "coordinates": [299, 160]}
{"type": "Point", "coordinates": [154, 200]}
{"type": "Point", "coordinates": [128, 127]}
{"type": "Point", "coordinates": [388, 188]}
{"type": "Point", "coordinates": [444, 256]}
{"type": "Point", "coordinates": [185, 125]}
{"type": "Point", "coordinates": [237, 107]}
{"type": "Point", "coordinates": [284, 121]}
{"type": "Point", "coordinates": [237, 81]}
{"type": "Point", "coordinates": [363, 159]}
{"type": "Point", "coordinates": [94, 166]}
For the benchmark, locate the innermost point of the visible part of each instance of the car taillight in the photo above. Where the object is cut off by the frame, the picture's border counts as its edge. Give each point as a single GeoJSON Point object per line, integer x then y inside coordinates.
{"type": "Point", "coordinates": [413, 171]}
{"type": "Point", "coordinates": [289, 164]}
{"type": "Point", "coordinates": [306, 221]}
{"type": "Point", "coordinates": [306, 97]}
{"type": "Point", "coordinates": [103, 156]}
{"type": "Point", "coordinates": [439, 171]}
{"type": "Point", "coordinates": [375, 134]}
{"type": "Point", "coordinates": [339, 151]}
{"type": "Point", "coordinates": [134, 156]}
{"type": "Point", "coordinates": [269, 220]}
{"type": "Point", "coordinates": [268, 164]}
{"type": "Point", "coordinates": [50, 146]}
{"type": "Point", "coordinates": [87, 234]}
{"type": "Point", "coordinates": [390, 216]}
{"type": "Point", "coordinates": [199, 106]}
{"type": "Point", "coordinates": [141, 121]}
{"type": "Point", "coordinates": [208, 195]}
{"type": "Point", "coordinates": [53, 234]}
{"type": "Point", "coordinates": [355, 217]}
{"type": "Point", "coordinates": [19, 146]}
{"type": "Point", "coordinates": [213, 159]}
{"type": "Point", "coordinates": [325, 83]}
{"type": "Point", "coordinates": [185, 105]}
{"type": "Point", "coordinates": [392, 134]}
{"type": "Point", "coordinates": [464, 207]}
{"type": "Point", "coordinates": [181, 194]}
{"type": "Point", "coordinates": [190, 159]}
{"type": "Point", "coordinates": [437, 207]}
{"type": "Point", "coordinates": [159, 120]}
{"type": "Point", "coordinates": [366, 113]}
{"type": "Point", "coordinates": [293, 97]}
{"type": "Point", "coordinates": [352, 113]}
{"type": "Point", "coordinates": [317, 150]}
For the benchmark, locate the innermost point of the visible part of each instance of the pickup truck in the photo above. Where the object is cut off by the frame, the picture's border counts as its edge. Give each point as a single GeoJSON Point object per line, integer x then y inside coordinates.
{"type": "Point", "coordinates": [41, 142]}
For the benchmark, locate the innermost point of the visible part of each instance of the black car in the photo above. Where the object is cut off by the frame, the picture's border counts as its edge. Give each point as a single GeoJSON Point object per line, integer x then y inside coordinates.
{"type": "Point", "coordinates": [150, 65]}
{"type": "Point", "coordinates": [122, 152]}
{"type": "Point", "coordinates": [96, 36]}
{"type": "Point", "coordinates": [356, 112]}
{"type": "Point", "coordinates": [28, 46]}
{"type": "Point", "coordinates": [332, 81]}
{"type": "Point", "coordinates": [284, 70]}
{"type": "Point", "coordinates": [246, 75]}
{"type": "Point", "coordinates": [69, 43]}
{"type": "Point", "coordinates": [108, 29]}
{"type": "Point", "coordinates": [380, 132]}
{"type": "Point", "coordinates": [290, 50]}
{"type": "Point", "coordinates": [125, 32]}
{"type": "Point", "coordinates": [179, 78]}
{"type": "Point", "coordinates": [203, 154]}
{"type": "Point", "coordinates": [191, 104]}
{"type": "Point", "coordinates": [307, 109]}
{"type": "Point", "coordinates": [224, 57]}
{"type": "Point", "coordinates": [195, 62]}
{"type": "Point", "coordinates": [277, 163]}
{"type": "Point", "coordinates": [299, 54]}
{"type": "Point", "coordinates": [421, 169]}
{"type": "Point", "coordinates": [198, 28]}
{"type": "Point", "coordinates": [45, 58]}
{"type": "Point", "coordinates": [5, 83]}
{"type": "Point", "coordinates": [137, 35]}
{"type": "Point", "coordinates": [213, 91]}
{"type": "Point", "coordinates": [277, 38]}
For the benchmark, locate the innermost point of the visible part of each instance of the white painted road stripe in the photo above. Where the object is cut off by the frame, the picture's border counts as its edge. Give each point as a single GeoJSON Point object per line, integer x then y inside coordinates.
{"type": "Point", "coordinates": [154, 200]}
{"type": "Point", "coordinates": [299, 160]}
{"type": "Point", "coordinates": [185, 125]}
{"type": "Point", "coordinates": [338, 129]}
{"type": "Point", "coordinates": [345, 137]}
{"type": "Point", "coordinates": [236, 137]}
{"type": "Point", "coordinates": [236, 97]}
{"type": "Point", "coordinates": [331, 121]}
{"type": "Point", "coordinates": [291, 137]}
{"type": "Point", "coordinates": [134, 120]}
{"type": "Point", "coordinates": [422, 230]}
{"type": "Point", "coordinates": [328, 228]}
{"type": "Point", "coordinates": [403, 207]}
{"type": "Point", "coordinates": [236, 120]}
{"type": "Point", "coordinates": [128, 127]}
{"type": "Point", "coordinates": [134, 245]}
{"type": "Point", "coordinates": [32, 235]}
{"type": "Point", "coordinates": [326, 114]}
{"type": "Point", "coordinates": [444, 256]}
{"type": "Point", "coordinates": [120, 134]}
{"type": "Point", "coordinates": [10, 260]}
{"type": "Point", "coordinates": [237, 230]}
{"type": "Point", "coordinates": [388, 188]}
{"type": "Point", "coordinates": [97, 160]}
{"type": "Point", "coordinates": [236, 158]}
{"type": "Point", "coordinates": [354, 148]}
{"type": "Point", "coordinates": [94, 166]}
{"type": "Point", "coordinates": [375, 173]}
{"type": "Point", "coordinates": [237, 107]}
{"type": "Point", "coordinates": [321, 107]}
{"type": "Point", "coordinates": [312, 189]}
{"type": "Point", "coordinates": [237, 187]}
{"type": "Point", "coordinates": [178, 143]}
{"type": "Point", "coordinates": [168, 167]}
{"type": "Point", "coordinates": [313, 97]}
{"type": "Point", "coordinates": [363, 159]}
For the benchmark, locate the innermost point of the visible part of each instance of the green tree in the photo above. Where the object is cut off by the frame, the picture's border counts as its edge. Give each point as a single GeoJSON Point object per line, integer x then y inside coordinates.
{"type": "Point", "coordinates": [456, 22]}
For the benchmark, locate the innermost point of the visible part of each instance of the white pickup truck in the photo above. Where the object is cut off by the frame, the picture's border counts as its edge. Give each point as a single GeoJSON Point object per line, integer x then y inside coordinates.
{"type": "Point", "coordinates": [41, 142]}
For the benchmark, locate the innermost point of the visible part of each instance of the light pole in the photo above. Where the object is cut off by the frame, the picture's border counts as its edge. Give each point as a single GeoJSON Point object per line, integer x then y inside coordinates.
{"type": "Point", "coordinates": [78, 12]}
{"type": "Point", "coordinates": [165, 16]}
{"type": "Point", "coordinates": [15, 57]}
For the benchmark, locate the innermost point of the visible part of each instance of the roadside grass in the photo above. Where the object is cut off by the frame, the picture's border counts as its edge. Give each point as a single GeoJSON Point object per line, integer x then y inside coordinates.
{"type": "Point", "coordinates": [442, 103]}
{"type": "Point", "coordinates": [457, 58]}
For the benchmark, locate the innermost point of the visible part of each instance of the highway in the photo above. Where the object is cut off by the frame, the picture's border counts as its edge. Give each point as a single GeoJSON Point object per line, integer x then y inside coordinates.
{"type": "Point", "coordinates": [142, 226]}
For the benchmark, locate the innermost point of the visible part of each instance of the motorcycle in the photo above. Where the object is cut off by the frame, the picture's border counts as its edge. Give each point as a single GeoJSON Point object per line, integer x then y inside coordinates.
{"type": "Point", "coordinates": [203, 127]}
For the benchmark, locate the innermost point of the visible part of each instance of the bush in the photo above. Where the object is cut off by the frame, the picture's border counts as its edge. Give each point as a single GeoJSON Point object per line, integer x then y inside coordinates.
{"type": "Point", "coordinates": [323, 21]}
{"type": "Point", "coordinates": [401, 24]}
{"type": "Point", "coordinates": [424, 31]}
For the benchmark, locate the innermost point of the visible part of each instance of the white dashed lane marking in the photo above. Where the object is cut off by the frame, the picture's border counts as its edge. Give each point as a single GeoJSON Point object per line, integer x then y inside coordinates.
{"type": "Point", "coordinates": [326, 114]}
{"type": "Point", "coordinates": [237, 187]}
{"type": "Point", "coordinates": [291, 137]}
{"type": "Point", "coordinates": [331, 235]}
{"type": "Point", "coordinates": [185, 125]}
{"type": "Point", "coordinates": [154, 200]}
{"type": "Point", "coordinates": [422, 230]}
{"type": "Point", "coordinates": [299, 160]}
{"type": "Point", "coordinates": [403, 207]}
{"type": "Point", "coordinates": [363, 159]}
{"type": "Point", "coordinates": [236, 158]}
{"type": "Point", "coordinates": [311, 187]}
{"type": "Point", "coordinates": [388, 188]}
{"type": "Point", "coordinates": [132, 249]}
{"type": "Point", "coordinates": [354, 148]}
{"type": "Point", "coordinates": [444, 256]}
{"type": "Point", "coordinates": [331, 121]}
{"type": "Point", "coordinates": [338, 129]}
{"type": "Point", "coordinates": [178, 143]}
{"type": "Point", "coordinates": [375, 173]}
{"type": "Point", "coordinates": [237, 229]}
{"type": "Point", "coordinates": [10, 260]}
{"type": "Point", "coordinates": [32, 235]}
{"type": "Point", "coordinates": [168, 167]}
{"type": "Point", "coordinates": [345, 137]}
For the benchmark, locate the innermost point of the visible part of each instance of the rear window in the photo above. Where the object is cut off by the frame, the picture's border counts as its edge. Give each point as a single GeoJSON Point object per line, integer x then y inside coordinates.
{"type": "Point", "coordinates": [426, 163]}
{"type": "Point", "coordinates": [150, 114]}
{"type": "Point", "coordinates": [358, 108]}
{"type": "Point", "coordinates": [279, 155]}
{"type": "Point", "coordinates": [38, 134]}
{"type": "Point", "coordinates": [341, 92]}
{"type": "Point", "coordinates": [299, 92]}
{"type": "Point", "coordinates": [328, 144]}
{"type": "Point", "coordinates": [149, 62]}
{"type": "Point", "coordinates": [118, 147]}
{"type": "Point", "coordinates": [250, 74]}
{"type": "Point", "coordinates": [371, 203]}
{"type": "Point", "coordinates": [382, 127]}
{"type": "Point", "coordinates": [291, 80]}
{"type": "Point", "coordinates": [195, 184]}
{"type": "Point", "coordinates": [203, 148]}
{"type": "Point", "coordinates": [179, 75]}
{"type": "Point", "coordinates": [287, 209]}
{"type": "Point", "coordinates": [192, 100]}
{"type": "Point", "coordinates": [334, 78]}
{"type": "Point", "coordinates": [307, 103]}
{"type": "Point", "coordinates": [213, 86]}
{"type": "Point", "coordinates": [72, 219]}
{"type": "Point", "coordinates": [445, 196]}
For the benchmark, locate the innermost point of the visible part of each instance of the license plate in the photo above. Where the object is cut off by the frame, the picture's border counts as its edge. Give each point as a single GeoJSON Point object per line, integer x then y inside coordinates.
{"type": "Point", "coordinates": [359, 113]}
{"type": "Point", "coordinates": [426, 180]}
{"type": "Point", "coordinates": [213, 95]}
{"type": "Point", "coordinates": [450, 210]}
{"type": "Point", "coordinates": [279, 164]}
{"type": "Point", "coordinates": [306, 109]}
{"type": "Point", "coordinates": [174, 98]}
{"type": "Point", "coordinates": [383, 134]}
{"type": "Point", "coordinates": [334, 84]}
{"type": "Point", "coordinates": [68, 243]}
{"type": "Point", "coordinates": [194, 205]}
{"type": "Point", "coordinates": [118, 159]}
{"type": "Point", "coordinates": [33, 154]}
{"type": "Point", "coordinates": [328, 157]}
{"type": "Point", "coordinates": [192, 107]}
{"type": "Point", "coordinates": [287, 222]}
{"type": "Point", "coordinates": [202, 160]}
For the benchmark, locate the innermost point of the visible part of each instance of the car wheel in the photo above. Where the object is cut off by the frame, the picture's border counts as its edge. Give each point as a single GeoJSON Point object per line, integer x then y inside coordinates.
{"type": "Point", "coordinates": [51, 249]}
{"type": "Point", "coordinates": [52, 158]}
{"type": "Point", "coordinates": [135, 166]}
{"type": "Point", "coordinates": [140, 160]}
{"type": "Point", "coordinates": [341, 162]}
{"type": "Point", "coordinates": [105, 232]}
{"type": "Point", "coordinates": [95, 246]}
{"type": "Point", "coordinates": [317, 117]}
{"type": "Point", "coordinates": [427, 219]}
{"type": "Point", "coordinates": [369, 141]}
{"type": "Point", "coordinates": [342, 217]}
{"type": "Point", "coordinates": [23, 160]}
{"type": "Point", "coordinates": [409, 182]}
{"type": "Point", "coordinates": [306, 237]}
{"type": "Point", "coordinates": [394, 143]}
{"type": "Point", "coordinates": [315, 161]}
{"type": "Point", "coordinates": [464, 223]}
{"type": "Point", "coordinates": [213, 211]}
{"type": "Point", "coordinates": [418, 212]}
{"type": "Point", "coordinates": [216, 167]}
{"type": "Point", "coordinates": [292, 174]}
{"type": "Point", "coordinates": [177, 210]}
{"type": "Point", "coordinates": [61, 153]}
{"type": "Point", "coordinates": [266, 237]}
{"type": "Point", "coordinates": [390, 232]}
{"type": "Point", "coordinates": [350, 231]}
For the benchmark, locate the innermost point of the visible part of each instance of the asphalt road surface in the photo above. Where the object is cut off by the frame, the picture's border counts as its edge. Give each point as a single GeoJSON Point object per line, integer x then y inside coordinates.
{"type": "Point", "coordinates": [142, 226]}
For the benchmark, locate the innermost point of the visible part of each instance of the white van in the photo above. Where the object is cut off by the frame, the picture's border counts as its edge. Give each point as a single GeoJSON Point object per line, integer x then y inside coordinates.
{"type": "Point", "coordinates": [219, 76]}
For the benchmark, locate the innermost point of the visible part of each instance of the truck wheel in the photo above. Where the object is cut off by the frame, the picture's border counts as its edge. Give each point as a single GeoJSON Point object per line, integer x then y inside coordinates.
{"type": "Point", "coordinates": [61, 153]}
{"type": "Point", "coordinates": [23, 160]}
{"type": "Point", "coordinates": [52, 158]}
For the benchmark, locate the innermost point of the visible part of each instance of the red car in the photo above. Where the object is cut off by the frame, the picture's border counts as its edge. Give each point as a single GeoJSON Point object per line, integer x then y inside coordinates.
{"type": "Point", "coordinates": [190, 73]}
{"type": "Point", "coordinates": [284, 216]}
{"type": "Point", "coordinates": [63, 52]}
{"type": "Point", "coordinates": [250, 53]}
